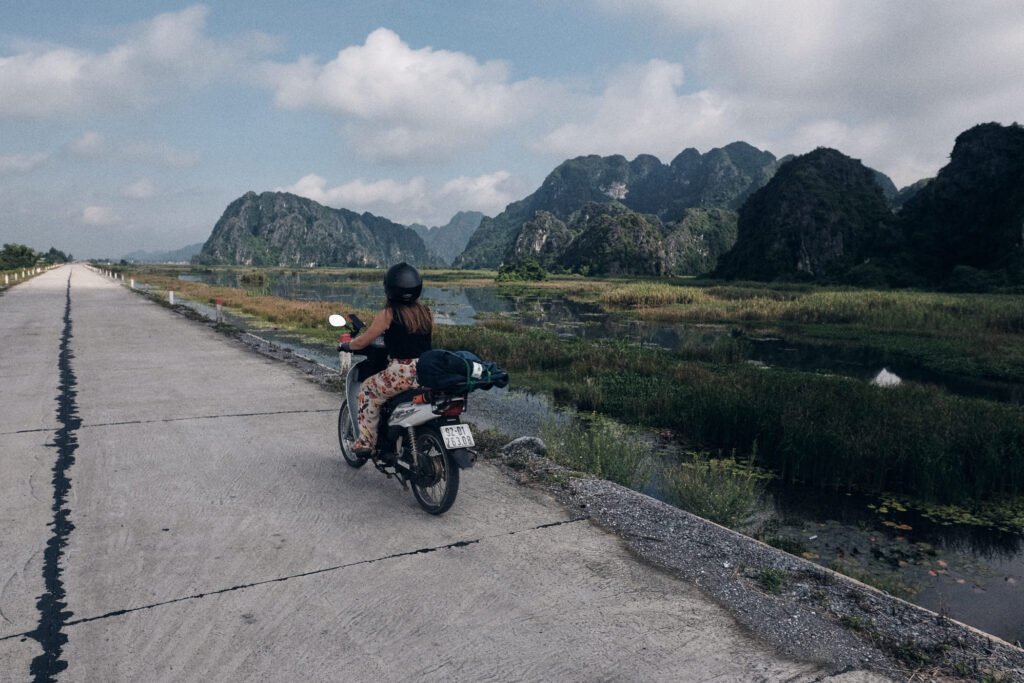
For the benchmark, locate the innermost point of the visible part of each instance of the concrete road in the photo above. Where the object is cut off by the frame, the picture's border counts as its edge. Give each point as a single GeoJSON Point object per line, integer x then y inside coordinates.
{"type": "Point", "coordinates": [175, 508]}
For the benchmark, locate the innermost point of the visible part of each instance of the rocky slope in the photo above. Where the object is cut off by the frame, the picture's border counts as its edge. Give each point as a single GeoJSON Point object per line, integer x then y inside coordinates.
{"type": "Point", "coordinates": [824, 216]}
{"type": "Point", "coordinates": [609, 239]}
{"type": "Point", "coordinates": [971, 216]}
{"type": "Point", "coordinates": [719, 179]}
{"type": "Point", "coordinates": [821, 214]}
{"type": "Point", "coordinates": [281, 229]}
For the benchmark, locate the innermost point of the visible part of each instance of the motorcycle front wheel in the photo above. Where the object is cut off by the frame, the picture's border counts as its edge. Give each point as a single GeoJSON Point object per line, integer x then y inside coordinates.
{"type": "Point", "coordinates": [347, 437]}
{"type": "Point", "coordinates": [436, 481]}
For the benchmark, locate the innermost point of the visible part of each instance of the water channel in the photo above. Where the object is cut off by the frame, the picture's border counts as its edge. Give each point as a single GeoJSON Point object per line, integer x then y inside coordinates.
{"type": "Point", "coordinates": [970, 573]}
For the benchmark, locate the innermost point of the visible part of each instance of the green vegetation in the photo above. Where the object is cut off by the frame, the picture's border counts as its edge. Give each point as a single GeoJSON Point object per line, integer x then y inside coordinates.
{"type": "Point", "coordinates": [817, 429]}
{"type": "Point", "coordinates": [603, 448]}
{"type": "Point", "coordinates": [1005, 514]}
{"type": "Point", "coordinates": [970, 335]}
{"type": "Point", "coordinates": [15, 256]}
{"type": "Point", "coordinates": [716, 489]}
{"type": "Point", "coordinates": [772, 579]}
{"type": "Point", "coordinates": [522, 269]}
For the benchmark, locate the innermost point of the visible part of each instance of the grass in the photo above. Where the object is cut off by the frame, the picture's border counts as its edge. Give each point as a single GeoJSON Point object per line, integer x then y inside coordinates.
{"type": "Point", "coordinates": [816, 429]}
{"type": "Point", "coordinates": [977, 335]}
{"type": "Point", "coordinates": [888, 310]}
{"type": "Point", "coordinates": [714, 489]}
{"type": "Point", "coordinates": [603, 448]}
{"type": "Point", "coordinates": [772, 580]}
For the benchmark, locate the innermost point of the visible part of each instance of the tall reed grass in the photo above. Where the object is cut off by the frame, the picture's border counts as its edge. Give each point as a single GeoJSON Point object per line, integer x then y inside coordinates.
{"type": "Point", "coordinates": [714, 489]}
{"type": "Point", "coordinates": [603, 448]}
{"type": "Point", "coordinates": [888, 310]}
{"type": "Point", "coordinates": [816, 429]}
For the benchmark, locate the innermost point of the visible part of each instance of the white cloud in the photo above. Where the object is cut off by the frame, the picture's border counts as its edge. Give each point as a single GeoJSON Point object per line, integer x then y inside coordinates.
{"type": "Point", "coordinates": [162, 56]}
{"type": "Point", "coordinates": [93, 145]}
{"type": "Point", "coordinates": [891, 83]}
{"type": "Point", "coordinates": [641, 111]}
{"type": "Point", "coordinates": [140, 189]}
{"type": "Point", "coordinates": [415, 200]}
{"type": "Point", "coordinates": [22, 163]}
{"type": "Point", "coordinates": [98, 215]}
{"type": "Point", "coordinates": [159, 154]}
{"type": "Point", "coordinates": [488, 194]}
{"type": "Point", "coordinates": [90, 146]}
{"type": "Point", "coordinates": [398, 102]}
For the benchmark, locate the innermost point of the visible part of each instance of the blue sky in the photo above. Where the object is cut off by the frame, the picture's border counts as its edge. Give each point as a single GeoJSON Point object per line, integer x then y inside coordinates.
{"type": "Point", "coordinates": [131, 125]}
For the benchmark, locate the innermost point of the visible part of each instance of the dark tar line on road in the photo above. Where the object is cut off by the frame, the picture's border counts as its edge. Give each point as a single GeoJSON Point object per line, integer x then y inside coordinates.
{"type": "Point", "coordinates": [52, 603]}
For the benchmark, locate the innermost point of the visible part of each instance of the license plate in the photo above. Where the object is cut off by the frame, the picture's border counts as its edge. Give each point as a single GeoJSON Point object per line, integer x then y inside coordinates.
{"type": "Point", "coordinates": [457, 436]}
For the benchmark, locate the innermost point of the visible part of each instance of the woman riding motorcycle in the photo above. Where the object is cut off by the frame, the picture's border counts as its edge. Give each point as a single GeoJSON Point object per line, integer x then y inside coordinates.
{"type": "Point", "coordinates": [407, 326]}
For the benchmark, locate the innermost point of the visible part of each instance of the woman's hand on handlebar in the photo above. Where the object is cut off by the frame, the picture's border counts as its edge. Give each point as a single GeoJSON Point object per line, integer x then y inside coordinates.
{"type": "Point", "coordinates": [376, 329]}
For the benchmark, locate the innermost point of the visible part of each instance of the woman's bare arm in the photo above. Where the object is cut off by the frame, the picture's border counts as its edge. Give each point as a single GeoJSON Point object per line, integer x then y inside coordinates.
{"type": "Point", "coordinates": [380, 323]}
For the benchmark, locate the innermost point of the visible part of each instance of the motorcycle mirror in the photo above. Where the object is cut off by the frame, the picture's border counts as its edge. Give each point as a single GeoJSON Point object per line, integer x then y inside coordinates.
{"type": "Point", "coordinates": [336, 320]}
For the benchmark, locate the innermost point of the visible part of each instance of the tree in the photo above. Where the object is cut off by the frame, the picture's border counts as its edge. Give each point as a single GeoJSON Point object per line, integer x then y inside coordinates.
{"type": "Point", "coordinates": [56, 256]}
{"type": "Point", "coordinates": [523, 269]}
{"type": "Point", "coordinates": [16, 256]}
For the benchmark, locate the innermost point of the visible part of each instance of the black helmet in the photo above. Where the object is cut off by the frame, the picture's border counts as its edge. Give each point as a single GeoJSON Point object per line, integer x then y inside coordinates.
{"type": "Point", "coordinates": [403, 284]}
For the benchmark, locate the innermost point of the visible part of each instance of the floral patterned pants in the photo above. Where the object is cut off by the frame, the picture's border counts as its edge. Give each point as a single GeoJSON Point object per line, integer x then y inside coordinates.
{"type": "Point", "coordinates": [397, 377]}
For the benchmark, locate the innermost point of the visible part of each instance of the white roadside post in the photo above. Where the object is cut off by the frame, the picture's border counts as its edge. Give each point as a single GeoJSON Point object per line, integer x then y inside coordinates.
{"type": "Point", "coordinates": [131, 283]}
{"type": "Point", "coordinates": [170, 296]}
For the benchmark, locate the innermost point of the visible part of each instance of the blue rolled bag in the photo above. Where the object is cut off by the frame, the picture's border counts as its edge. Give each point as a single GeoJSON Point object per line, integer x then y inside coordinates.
{"type": "Point", "coordinates": [458, 371]}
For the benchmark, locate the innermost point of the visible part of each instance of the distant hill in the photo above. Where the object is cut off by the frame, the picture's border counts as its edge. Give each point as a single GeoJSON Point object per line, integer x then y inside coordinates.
{"type": "Point", "coordinates": [719, 179]}
{"type": "Point", "coordinates": [969, 221]}
{"type": "Point", "coordinates": [826, 217]}
{"type": "Point", "coordinates": [609, 239]}
{"type": "Point", "coordinates": [282, 229]}
{"type": "Point", "coordinates": [905, 193]}
{"type": "Point", "coordinates": [821, 214]}
{"type": "Point", "coordinates": [183, 255]}
{"type": "Point", "coordinates": [448, 241]}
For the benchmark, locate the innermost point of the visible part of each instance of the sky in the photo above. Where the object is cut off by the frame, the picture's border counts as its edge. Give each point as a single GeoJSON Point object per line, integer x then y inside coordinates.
{"type": "Point", "coordinates": [131, 125]}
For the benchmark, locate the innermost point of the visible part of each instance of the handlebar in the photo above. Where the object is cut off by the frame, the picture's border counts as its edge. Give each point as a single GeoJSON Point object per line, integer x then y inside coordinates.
{"type": "Point", "coordinates": [376, 345]}
{"type": "Point", "coordinates": [357, 324]}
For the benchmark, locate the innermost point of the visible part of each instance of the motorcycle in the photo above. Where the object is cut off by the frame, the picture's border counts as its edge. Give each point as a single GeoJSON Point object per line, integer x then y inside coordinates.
{"type": "Point", "coordinates": [420, 439]}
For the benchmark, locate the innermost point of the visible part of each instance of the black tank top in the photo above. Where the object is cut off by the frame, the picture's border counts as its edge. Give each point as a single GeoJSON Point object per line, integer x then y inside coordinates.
{"type": "Point", "coordinates": [402, 344]}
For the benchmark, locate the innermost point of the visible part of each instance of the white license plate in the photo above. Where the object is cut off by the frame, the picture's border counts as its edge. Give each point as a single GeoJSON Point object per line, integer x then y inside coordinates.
{"type": "Point", "coordinates": [457, 436]}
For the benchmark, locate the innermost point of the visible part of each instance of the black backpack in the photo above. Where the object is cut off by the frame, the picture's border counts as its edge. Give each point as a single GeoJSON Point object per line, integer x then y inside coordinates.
{"type": "Point", "coordinates": [458, 371]}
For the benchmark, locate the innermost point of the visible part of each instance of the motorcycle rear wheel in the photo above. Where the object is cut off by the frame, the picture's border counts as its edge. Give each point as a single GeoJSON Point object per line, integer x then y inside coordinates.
{"type": "Point", "coordinates": [347, 437]}
{"type": "Point", "coordinates": [436, 483]}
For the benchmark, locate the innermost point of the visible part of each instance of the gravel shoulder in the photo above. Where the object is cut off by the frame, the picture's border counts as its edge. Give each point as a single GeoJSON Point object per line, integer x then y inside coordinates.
{"type": "Point", "coordinates": [805, 611]}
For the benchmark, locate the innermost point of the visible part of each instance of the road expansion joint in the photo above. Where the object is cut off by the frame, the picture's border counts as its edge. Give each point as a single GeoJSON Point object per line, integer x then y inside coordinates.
{"type": "Point", "coordinates": [243, 586]}
{"type": "Point", "coordinates": [223, 416]}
